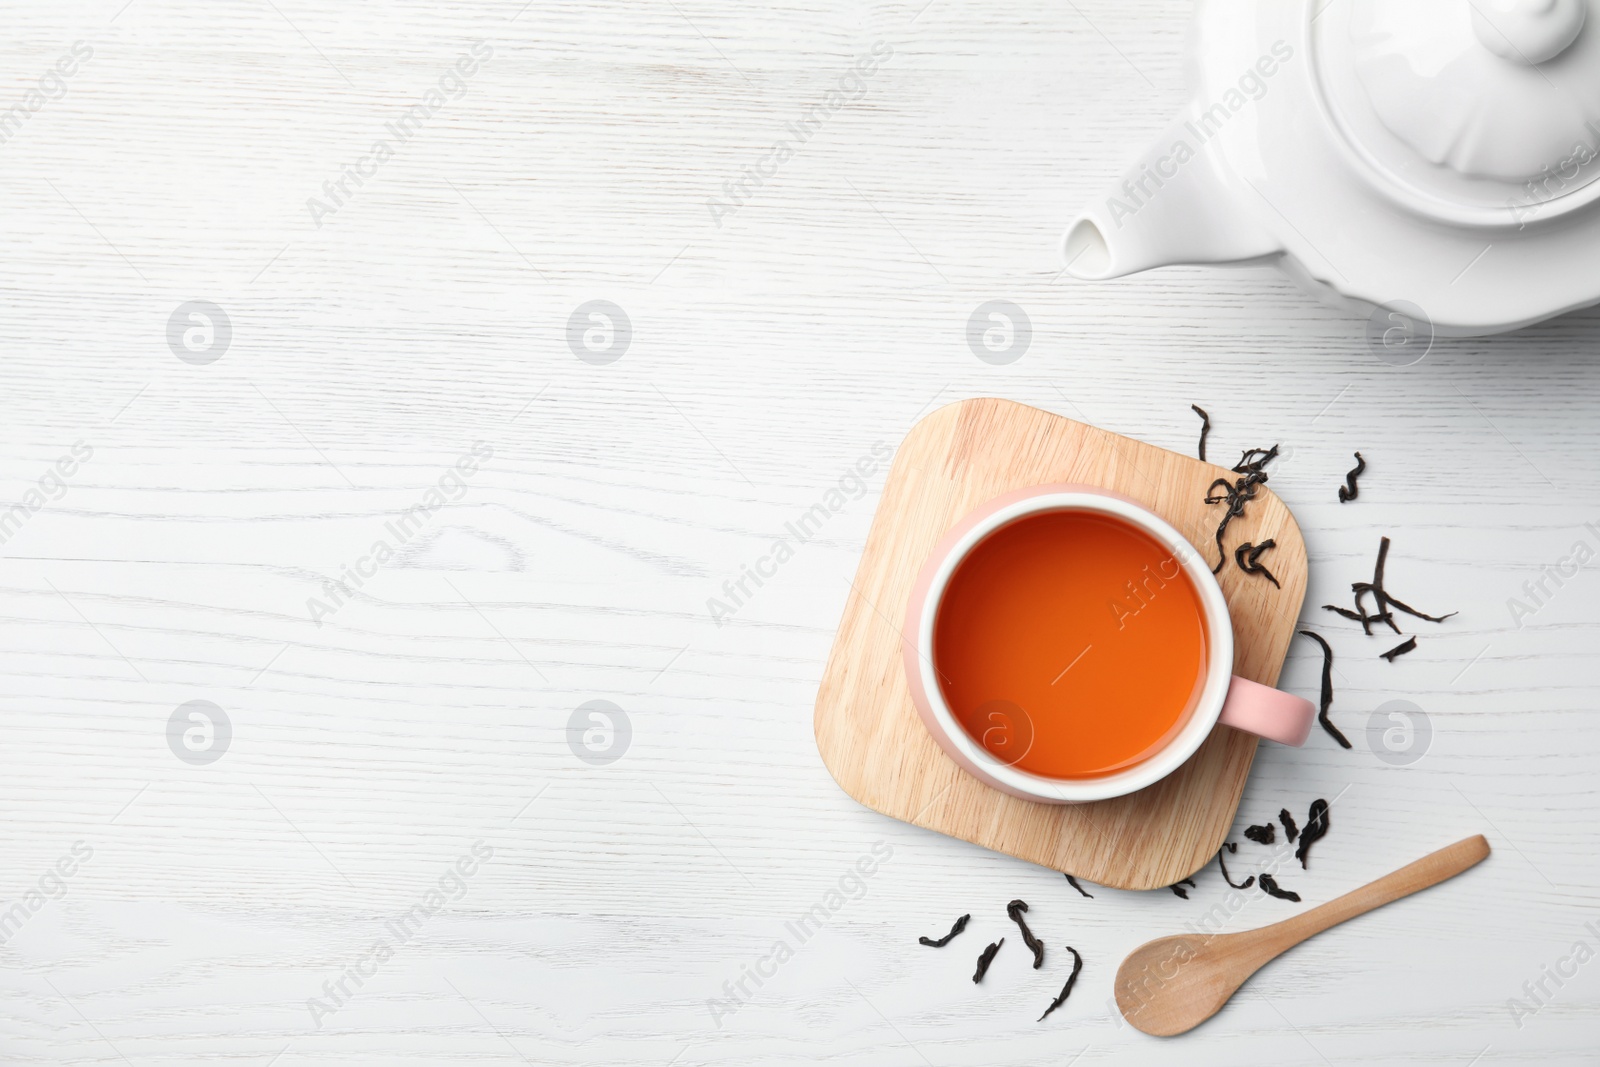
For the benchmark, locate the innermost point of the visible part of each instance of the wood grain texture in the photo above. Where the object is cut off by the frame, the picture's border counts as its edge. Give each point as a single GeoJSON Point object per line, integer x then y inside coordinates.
{"type": "Point", "coordinates": [867, 728]}
{"type": "Point", "coordinates": [769, 355]}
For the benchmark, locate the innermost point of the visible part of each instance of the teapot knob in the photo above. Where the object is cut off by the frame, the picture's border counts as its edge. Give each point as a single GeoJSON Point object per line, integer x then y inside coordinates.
{"type": "Point", "coordinates": [1529, 32]}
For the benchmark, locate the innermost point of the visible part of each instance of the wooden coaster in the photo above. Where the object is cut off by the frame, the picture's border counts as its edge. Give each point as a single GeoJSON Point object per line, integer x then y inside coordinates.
{"type": "Point", "coordinates": [869, 734]}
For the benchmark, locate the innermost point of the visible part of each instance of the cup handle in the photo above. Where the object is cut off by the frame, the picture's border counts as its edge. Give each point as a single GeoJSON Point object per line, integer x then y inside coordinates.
{"type": "Point", "coordinates": [1267, 712]}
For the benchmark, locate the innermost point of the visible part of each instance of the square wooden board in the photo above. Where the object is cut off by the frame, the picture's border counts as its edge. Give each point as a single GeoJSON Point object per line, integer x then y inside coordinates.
{"type": "Point", "coordinates": [869, 734]}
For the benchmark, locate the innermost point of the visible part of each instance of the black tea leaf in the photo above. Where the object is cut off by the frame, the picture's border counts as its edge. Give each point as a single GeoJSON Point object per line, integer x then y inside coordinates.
{"type": "Point", "coordinates": [1399, 650]}
{"type": "Point", "coordinates": [1205, 429]}
{"type": "Point", "coordinates": [1247, 883]}
{"type": "Point", "coordinates": [1327, 691]}
{"type": "Point", "coordinates": [985, 958]}
{"type": "Point", "coordinates": [961, 924]}
{"type": "Point", "coordinates": [1316, 828]}
{"type": "Point", "coordinates": [1270, 884]}
{"type": "Point", "coordinates": [1252, 469]}
{"type": "Point", "coordinates": [1349, 490]}
{"type": "Point", "coordinates": [1066, 990]}
{"type": "Point", "coordinates": [1253, 564]}
{"type": "Point", "coordinates": [1015, 910]}
{"type": "Point", "coordinates": [1382, 599]}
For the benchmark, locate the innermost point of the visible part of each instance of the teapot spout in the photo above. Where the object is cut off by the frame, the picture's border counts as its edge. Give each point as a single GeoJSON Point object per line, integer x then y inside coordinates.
{"type": "Point", "coordinates": [1171, 207]}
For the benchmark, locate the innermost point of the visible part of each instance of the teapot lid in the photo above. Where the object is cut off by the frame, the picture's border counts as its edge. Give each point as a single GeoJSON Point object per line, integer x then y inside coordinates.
{"type": "Point", "coordinates": [1473, 111]}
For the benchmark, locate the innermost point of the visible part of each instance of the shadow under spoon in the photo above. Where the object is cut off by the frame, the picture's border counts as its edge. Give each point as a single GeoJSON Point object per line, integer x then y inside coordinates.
{"type": "Point", "coordinates": [1173, 984]}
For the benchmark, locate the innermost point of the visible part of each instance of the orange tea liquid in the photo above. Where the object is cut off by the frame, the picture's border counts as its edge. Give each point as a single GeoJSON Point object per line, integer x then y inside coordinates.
{"type": "Point", "coordinates": [1070, 644]}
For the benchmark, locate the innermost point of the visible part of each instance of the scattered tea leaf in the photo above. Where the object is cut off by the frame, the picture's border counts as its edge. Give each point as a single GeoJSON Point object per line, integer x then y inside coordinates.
{"type": "Point", "coordinates": [1177, 887]}
{"type": "Point", "coordinates": [1289, 829]}
{"type": "Point", "coordinates": [1236, 494]}
{"type": "Point", "coordinates": [1381, 598]}
{"type": "Point", "coordinates": [1362, 617]}
{"type": "Point", "coordinates": [1253, 564]}
{"type": "Point", "coordinates": [1316, 828]}
{"type": "Point", "coordinates": [1399, 650]}
{"type": "Point", "coordinates": [1073, 882]}
{"type": "Point", "coordinates": [1015, 910]}
{"type": "Point", "coordinates": [1247, 883]}
{"type": "Point", "coordinates": [985, 958]}
{"type": "Point", "coordinates": [961, 924]}
{"type": "Point", "coordinates": [1327, 691]}
{"type": "Point", "coordinates": [1066, 990]}
{"type": "Point", "coordinates": [1252, 460]}
{"type": "Point", "coordinates": [1205, 430]}
{"type": "Point", "coordinates": [1385, 598]}
{"type": "Point", "coordinates": [1349, 490]}
{"type": "Point", "coordinates": [1270, 884]}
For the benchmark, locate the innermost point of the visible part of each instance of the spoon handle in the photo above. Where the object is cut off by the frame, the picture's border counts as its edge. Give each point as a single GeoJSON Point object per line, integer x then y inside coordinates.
{"type": "Point", "coordinates": [1429, 870]}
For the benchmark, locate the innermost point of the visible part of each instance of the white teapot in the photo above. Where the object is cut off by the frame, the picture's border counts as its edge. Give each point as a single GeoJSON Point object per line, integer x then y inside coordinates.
{"type": "Point", "coordinates": [1437, 154]}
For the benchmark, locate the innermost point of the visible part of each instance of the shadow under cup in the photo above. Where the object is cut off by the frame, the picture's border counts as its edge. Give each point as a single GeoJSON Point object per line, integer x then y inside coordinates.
{"type": "Point", "coordinates": [1071, 644]}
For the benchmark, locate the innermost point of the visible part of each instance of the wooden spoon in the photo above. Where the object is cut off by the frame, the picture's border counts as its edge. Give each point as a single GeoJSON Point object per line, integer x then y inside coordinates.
{"type": "Point", "coordinates": [1173, 984]}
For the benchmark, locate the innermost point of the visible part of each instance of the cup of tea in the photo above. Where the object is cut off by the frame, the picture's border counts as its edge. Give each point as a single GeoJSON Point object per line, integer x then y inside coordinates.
{"type": "Point", "coordinates": [1065, 644]}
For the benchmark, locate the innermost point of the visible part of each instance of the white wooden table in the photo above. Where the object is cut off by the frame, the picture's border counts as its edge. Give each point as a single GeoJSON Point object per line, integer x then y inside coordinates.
{"type": "Point", "coordinates": [424, 713]}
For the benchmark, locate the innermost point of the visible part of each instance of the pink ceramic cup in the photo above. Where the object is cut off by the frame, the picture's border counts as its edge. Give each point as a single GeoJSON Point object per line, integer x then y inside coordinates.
{"type": "Point", "coordinates": [1224, 698]}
